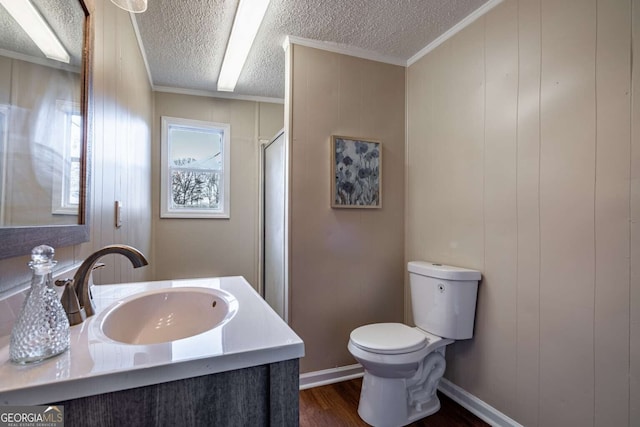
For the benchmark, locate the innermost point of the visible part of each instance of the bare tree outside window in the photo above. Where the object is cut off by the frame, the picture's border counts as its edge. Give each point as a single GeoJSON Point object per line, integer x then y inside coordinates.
{"type": "Point", "coordinates": [194, 188]}
{"type": "Point", "coordinates": [195, 169]}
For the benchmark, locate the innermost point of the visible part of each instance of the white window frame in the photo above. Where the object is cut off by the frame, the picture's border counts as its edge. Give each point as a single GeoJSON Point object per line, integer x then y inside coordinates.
{"type": "Point", "coordinates": [61, 179]}
{"type": "Point", "coordinates": [165, 193]}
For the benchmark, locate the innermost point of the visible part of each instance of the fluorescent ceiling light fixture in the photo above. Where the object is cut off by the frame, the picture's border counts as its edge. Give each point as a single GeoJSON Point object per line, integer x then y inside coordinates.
{"type": "Point", "coordinates": [245, 27]}
{"type": "Point", "coordinates": [135, 6]}
{"type": "Point", "coordinates": [37, 28]}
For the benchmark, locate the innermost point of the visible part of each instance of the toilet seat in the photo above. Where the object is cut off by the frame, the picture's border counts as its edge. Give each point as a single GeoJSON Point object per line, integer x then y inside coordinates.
{"type": "Point", "coordinates": [388, 338]}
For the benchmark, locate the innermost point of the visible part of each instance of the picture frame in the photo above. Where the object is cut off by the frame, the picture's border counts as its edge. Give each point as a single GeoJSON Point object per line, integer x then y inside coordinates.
{"type": "Point", "coordinates": [356, 173]}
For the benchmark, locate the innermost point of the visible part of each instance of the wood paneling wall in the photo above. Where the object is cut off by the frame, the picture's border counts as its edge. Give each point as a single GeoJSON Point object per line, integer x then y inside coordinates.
{"type": "Point", "coordinates": [522, 164]}
{"type": "Point", "coordinates": [121, 146]}
{"type": "Point", "coordinates": [346, 265]}
{"type": "Point", "coordinates": [634, 203]}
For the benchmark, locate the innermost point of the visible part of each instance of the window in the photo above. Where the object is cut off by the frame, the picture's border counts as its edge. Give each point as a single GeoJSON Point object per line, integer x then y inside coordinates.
{"type": "Point", "coordinates": [66, 179]}
{"type": "Point", "coordinates": [195, 169]}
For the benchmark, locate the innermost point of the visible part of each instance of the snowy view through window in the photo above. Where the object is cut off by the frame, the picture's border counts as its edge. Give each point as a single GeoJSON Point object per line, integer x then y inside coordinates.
{"type": "Point", "coordinates": [196, 168]}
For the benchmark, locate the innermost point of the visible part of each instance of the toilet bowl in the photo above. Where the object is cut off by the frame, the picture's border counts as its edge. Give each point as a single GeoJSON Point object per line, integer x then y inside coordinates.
{"type": "Point", "coordinates": [402, 364]}
{"type": "Point", "coordinates": [402, 368]}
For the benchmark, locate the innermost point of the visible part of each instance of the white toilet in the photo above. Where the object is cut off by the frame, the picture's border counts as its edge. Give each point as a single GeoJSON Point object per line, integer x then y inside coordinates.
{"type": "Point", "coordinates": [403, 365]}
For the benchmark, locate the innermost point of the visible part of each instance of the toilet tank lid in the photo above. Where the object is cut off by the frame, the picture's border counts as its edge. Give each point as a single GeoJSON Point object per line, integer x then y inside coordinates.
{"type": "Point", "coordinates": [441, 271]}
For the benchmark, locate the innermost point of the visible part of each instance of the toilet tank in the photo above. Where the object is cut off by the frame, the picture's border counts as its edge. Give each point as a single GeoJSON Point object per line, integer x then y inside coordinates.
{"type": "Point", "coordinates": [443, 298]}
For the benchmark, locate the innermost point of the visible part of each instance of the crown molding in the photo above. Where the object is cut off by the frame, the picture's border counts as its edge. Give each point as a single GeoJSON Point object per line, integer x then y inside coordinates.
{"type": "Point", "coordinates": [454, 30]}
{"type": "Point", "coordinates": [143, 52]}
{"type": "Point", "coordinates": [51, 63]}
{"type": "Point", "coordinates": [216, 94]}
{"type": "Point", "coordinates": [344, 50]}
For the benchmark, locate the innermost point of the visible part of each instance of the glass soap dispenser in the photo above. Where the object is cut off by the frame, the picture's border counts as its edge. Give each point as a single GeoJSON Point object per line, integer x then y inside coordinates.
{"type": "Point", "coordinates": [42, 329]}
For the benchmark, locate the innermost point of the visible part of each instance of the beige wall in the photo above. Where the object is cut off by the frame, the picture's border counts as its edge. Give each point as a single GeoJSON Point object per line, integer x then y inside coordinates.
{"type": "Point", "coordinates": [519, 145]}
{"type": "Point", "coordinates": [215, 247]}
{"type": "Point", "coordinates": [121, 153]}
{"type": "Point", "coordinates": [346, 264]}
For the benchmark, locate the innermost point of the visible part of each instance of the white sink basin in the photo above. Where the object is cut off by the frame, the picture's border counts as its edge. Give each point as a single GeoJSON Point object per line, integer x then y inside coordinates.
{"type": "Point", "coordinates": [166, 315]}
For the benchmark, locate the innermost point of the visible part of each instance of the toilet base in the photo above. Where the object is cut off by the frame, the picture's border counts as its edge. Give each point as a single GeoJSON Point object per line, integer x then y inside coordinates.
{"type": "Point", "coordinates": [397, 401]}
{"type": "Point", "coordinates": [383, 403]}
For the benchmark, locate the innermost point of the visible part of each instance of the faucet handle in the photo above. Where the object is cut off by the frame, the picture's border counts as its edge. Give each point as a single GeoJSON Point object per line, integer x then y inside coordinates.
{"type": "Point", "coordinates": [70, 302]}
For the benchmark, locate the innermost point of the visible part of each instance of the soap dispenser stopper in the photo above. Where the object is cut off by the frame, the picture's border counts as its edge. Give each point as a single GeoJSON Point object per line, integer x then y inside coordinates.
{"type": "Point", "coordinates": [42, 328]}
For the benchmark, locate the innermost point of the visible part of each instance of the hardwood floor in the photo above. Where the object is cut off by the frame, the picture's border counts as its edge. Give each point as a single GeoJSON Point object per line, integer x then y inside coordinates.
{"type": "Point", "coordinates": [336, 405]}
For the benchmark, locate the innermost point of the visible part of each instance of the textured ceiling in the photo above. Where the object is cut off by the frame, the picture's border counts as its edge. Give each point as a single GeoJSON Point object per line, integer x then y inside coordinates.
{"type": "Point", "coordinates": [65, 19]}
{"type": "Point", "coordinates": [184, 41]}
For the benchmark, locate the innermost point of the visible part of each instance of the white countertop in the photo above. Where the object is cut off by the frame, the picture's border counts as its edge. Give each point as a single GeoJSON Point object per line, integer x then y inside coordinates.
{"type": "Point", "coordinates": [256, 335]}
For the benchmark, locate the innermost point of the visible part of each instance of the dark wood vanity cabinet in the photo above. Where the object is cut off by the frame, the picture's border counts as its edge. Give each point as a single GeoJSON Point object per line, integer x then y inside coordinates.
{"type": "Point", "coordinates": [265, 395]}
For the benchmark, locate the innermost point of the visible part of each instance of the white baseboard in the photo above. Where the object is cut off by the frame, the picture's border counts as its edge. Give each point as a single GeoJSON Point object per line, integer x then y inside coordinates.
{"type": "Point", "coordinates": [479, 408]}
{"type": "Point", "coordinates": [330, 376]}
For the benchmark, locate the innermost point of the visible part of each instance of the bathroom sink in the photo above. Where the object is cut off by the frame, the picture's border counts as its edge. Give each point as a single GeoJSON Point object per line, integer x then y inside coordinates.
{"type": "Point", "coordinates": [166, 315]}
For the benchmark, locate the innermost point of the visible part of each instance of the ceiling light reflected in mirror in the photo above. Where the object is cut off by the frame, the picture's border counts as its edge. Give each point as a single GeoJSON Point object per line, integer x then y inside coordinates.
{"type": "Point", "coordinates": [37, 28]}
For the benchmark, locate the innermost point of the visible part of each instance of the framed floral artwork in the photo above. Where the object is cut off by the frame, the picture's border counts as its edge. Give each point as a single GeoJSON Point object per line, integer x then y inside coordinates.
{"type": "Point", "coordinates": [356, 172]}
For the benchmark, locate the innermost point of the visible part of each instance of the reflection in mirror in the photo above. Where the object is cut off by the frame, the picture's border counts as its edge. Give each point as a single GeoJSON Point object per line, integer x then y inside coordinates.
{"type": "Point", "coordinates": [45, 118]}
{"type": "Point", "coordinates": [41, 126]}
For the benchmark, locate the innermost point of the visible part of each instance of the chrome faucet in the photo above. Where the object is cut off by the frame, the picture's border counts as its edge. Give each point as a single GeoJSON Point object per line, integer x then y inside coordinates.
{"type": "Point", "coordinates": [77, 299]}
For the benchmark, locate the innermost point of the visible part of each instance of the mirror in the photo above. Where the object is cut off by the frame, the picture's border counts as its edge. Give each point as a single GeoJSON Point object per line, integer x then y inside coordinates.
{"type": "Point", "coordinates": [44, 124]}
